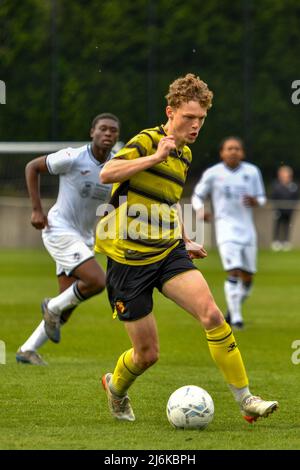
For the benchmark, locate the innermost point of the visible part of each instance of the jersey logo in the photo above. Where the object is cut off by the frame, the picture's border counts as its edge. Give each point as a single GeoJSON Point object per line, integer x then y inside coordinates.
{"type": "Point", "coordinates": [86, 189]}
{"type": "Point", "coordinates": [85, 172]}
{"type": "Point", "coordinates": [76, 256]}
{"type": "Point", "coordinates": [246, 177]}
{"type": "Point", "coordinates": [120, 307]}
{"type": "Point", "coordinates": [232, 347]}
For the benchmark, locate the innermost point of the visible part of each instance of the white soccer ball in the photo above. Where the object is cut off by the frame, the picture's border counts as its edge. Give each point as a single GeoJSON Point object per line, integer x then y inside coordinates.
{"type": "Point", "coordinates": [190, 407]}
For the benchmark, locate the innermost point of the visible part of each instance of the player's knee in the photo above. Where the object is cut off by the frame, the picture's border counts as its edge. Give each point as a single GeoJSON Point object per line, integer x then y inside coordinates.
{"type": "Point", "coordinates": [148, 357]}
{"type": "Point", "coordinates": [247, 278]}
{"type": "Point", "coordinates": [211, 316]}
{"type": "Point", "coordinates": [215, 318]}
{"type": "Point", "coordinates": [149, 360]}
{"type": "Point", "coordinates": [96, 284]}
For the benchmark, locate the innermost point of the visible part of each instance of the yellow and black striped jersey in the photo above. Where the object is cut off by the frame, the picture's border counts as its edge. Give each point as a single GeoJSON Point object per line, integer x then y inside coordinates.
{"type": "Point", "coordinates": [142, 225]}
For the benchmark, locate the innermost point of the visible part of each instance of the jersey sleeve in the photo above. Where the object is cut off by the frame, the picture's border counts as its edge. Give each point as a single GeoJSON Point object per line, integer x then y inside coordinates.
{"type": "Point", "coordinates": [203, 188]}
{"type": "Point", "coordinates": [60, 162]}
{"type": "Point", "coordinates": [138, 146]}
{"type": "Point", "coordinates": [259, 188]}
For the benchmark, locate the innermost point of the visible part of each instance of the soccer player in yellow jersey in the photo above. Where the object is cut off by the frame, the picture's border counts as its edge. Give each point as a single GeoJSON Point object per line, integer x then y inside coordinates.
{"type": "Point", "coordinates": [146, 251]}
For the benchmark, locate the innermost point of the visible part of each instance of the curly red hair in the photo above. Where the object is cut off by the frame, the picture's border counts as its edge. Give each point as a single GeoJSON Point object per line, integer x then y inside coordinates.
{"type": "Point", "coordinates": [189, 88]}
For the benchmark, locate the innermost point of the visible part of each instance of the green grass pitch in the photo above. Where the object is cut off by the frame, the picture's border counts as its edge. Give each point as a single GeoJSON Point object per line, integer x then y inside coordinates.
{"type": "Point", "coordinates": [63, 407]}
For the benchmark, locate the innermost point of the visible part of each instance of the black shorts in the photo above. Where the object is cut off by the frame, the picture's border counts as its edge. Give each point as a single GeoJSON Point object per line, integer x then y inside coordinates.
{"type": "Point", "coordinates": [130, 288]}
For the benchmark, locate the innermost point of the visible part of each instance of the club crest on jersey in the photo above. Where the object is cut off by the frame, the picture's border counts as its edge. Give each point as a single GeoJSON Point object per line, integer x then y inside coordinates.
{"type": "Point", "coordinates": [85, 189]}
{"type": "Point", "coordinates": [120, 307]}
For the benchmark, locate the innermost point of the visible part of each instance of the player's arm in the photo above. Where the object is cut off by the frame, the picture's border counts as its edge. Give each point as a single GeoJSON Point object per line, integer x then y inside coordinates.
{"type": "Point", "coordinates": [32, 173]}
{"type": "Point", "coordinates": [259, 190]}
{"type": "Point", "coordinates": [201, 192]}
{"type": "Point", "coordinates": [118, 170]}
{"type": "Point", "coordinates": [194, 249]}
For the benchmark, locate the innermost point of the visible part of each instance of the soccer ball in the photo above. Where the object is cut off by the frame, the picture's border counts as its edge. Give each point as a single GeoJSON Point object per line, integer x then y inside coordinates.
{"type": "Point", "coordinates": [190, 407]}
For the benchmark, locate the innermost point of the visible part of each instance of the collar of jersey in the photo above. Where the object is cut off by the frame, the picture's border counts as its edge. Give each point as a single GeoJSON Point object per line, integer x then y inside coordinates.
{"type": "Point", "coordinates": [233, 170]}
{"type": "Point", "coordinates": [89, 148]}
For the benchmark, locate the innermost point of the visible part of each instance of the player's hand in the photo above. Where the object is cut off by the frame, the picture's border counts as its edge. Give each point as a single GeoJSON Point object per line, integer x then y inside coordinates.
{"type": "Point", "coordinates": [39, 219]}
{"type": "Point", "coordinates": [249, 201]}
{"type": "Point", "coordinates": [165, 145]}
{"type": "Point", "coordinates": [195, 250]}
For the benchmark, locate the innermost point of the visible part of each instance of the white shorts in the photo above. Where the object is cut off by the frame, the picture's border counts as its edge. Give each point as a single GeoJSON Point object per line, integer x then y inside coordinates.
{"type": "Point", "coordinates": [68, 251]}
{"type": "Point", "coordinates": [236, 256]}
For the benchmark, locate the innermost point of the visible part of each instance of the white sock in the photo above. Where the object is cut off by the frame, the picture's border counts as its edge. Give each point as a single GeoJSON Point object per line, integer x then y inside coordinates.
{"type": "Point", "coordinates": [36, 340]}
{"type": "Point", "coordinates": [67, 299]}
{"type": "Point", "coordinates": [233, 299]}
{"type": "Point", "coordinates": [239, 393]}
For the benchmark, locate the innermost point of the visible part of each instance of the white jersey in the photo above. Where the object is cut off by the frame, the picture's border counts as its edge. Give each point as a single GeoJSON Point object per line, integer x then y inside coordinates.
{"type": "Point", "coordinates": [227, 187]}
{"type": "Point", "coordinates": [80, 192]}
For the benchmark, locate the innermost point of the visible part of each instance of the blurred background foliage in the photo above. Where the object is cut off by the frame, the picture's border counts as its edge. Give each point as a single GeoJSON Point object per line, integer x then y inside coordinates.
{"type": "Point", "coordinates": [65, 61]}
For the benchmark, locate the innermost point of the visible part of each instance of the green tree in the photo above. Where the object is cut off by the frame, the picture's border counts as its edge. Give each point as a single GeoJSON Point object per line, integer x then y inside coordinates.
{"type": "Point", "coordinates": [65, 61]}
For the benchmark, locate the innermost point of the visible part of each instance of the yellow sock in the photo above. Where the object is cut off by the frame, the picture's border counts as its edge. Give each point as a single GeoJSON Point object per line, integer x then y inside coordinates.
{"type": "Point", "coordinates": [226, 354]}
{"type": "Point", "coordinates": [124, 374]}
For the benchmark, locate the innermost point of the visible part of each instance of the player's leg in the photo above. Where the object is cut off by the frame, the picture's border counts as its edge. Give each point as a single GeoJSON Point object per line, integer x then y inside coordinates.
{"type": "Point", "coordinates": [130, 290]}
{"type": "Point", "coordinates": [27, 353]}
{"type": "Point", "coordinates": [246, 284]}
{"type": "Point", "coordinates": [233, 296]}
{"type": "Point", "coordinates": [144, 353]}
{"type": "Point", "coordinates": [131, 364]}
{"type": "Point", "coordinates": [77, 260]}
{"type": "Point", "coordinates": [89, 281]}
{"type": "Point", "coordinates": [231, 257]}
{"type": "Point", "coordinates": [64, 282]}
{"type": "Point", "coordinates": [248, 269]}
{"type": "Point", "coordinates": [190, 291]}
